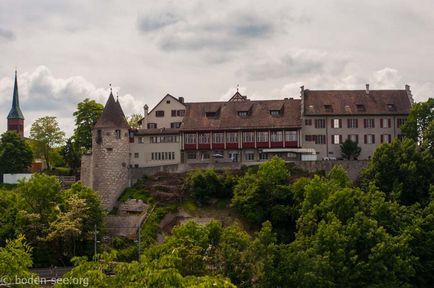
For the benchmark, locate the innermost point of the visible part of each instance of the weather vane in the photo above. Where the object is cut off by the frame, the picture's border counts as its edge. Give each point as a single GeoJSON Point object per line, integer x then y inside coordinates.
{"type": "Point", "coordinates": [238, 86]}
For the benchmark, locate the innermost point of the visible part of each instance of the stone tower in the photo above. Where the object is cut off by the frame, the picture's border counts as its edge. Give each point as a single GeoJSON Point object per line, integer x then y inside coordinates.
{"type": "Point", "coordinates": [110, 154]}
{"type": "Point", "coordinates": [15, 116]}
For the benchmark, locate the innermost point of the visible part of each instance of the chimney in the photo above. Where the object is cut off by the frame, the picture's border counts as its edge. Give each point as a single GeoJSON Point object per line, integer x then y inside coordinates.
{"type": "Point", "coordinates": [409, 95]}
{"type": "Point", "coordinates": [145, 117]}
{"type": "Point", "coordinates": [367, 89]}
{"type": "Point", "coordinates": [181, 99]}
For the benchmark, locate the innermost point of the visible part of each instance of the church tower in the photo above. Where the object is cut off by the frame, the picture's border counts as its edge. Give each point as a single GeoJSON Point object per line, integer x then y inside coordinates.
{"type": "Point", "coordinates": [110, 153]}
{"type": "Point", "coordinates": [15, 116]}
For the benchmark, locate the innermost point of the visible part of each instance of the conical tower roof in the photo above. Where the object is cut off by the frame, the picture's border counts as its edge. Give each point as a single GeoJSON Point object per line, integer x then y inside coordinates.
{"type": "Point", "coordinates": [112, 115]}
{"type": "Point", "coordinates": [15, 112]}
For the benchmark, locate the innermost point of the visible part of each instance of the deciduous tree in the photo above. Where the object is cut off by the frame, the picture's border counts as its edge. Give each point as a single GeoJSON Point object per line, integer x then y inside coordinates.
{"type": "Point", "coordinates": [15, 154]}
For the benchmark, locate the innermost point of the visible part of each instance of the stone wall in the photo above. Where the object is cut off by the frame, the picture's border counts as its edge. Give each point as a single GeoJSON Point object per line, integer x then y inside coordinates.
{"type": "Point", "coordinates": [86, 170]}
{"type": "Point", "coordinates": [353, 168]}
{"type": "Point", "coordinates": [110, 166]}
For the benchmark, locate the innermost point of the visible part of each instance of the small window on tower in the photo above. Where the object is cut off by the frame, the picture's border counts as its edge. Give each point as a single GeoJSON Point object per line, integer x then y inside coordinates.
{"type": "Point", "coordinates": [118, 134]}
{"type": "Point", "coordinates": [98, 136]}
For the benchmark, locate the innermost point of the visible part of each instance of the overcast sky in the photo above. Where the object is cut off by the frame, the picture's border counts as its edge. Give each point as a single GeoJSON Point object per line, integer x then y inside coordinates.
{"type": "Point", "coordinates": [66, 51]}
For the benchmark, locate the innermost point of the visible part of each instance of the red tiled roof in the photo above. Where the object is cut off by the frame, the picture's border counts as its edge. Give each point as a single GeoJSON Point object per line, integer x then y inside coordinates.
{"type": "Point", "coordinates": [346, 101]}
{"type": "Point", "coordinates": [228, 118]}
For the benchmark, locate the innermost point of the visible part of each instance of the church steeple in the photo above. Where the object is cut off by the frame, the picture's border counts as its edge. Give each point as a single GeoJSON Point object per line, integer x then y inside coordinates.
{"type": "Point", "coordinates": [15, 116]}
{"type": "Point", "coordinates": [15, 112]}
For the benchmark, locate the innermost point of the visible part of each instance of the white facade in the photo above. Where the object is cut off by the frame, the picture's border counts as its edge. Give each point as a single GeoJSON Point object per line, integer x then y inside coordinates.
{"type": "Point", "coordinates": [168, 113]}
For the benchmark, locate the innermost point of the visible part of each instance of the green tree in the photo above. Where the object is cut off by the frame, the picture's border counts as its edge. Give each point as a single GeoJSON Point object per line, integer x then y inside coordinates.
{"type": "Point", "coordinates": [419, 123]}
{"type": "Point", "coordinates": [204, 184]}
{"type": "Point", "coordinates": [15, 154]}
{"type": "Point", "coordinates": [402, 170]}
{"type": "Point", "coordinates": [350, 149]}
{"type": "Point", "coordinates": [46, 135]}
{"type": "Point", "coordinates": [71, 155]}
{"type": "Point", "coordinates": [15, 261]}
{"type": "Point", "coordinates": [133, 121]}
{"type": "Point", "coordinates": [86, 115]}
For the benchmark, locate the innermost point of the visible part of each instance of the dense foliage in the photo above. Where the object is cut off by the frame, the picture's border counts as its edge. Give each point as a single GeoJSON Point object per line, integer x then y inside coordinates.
{"type": "Point", "coordinates": [57, 224]}
{"type": "Point", "coordinates": [15, 154]}
{"type": "Point", "coordinates": [350, 150]}
{"type": "Point", "coordinates": [86, 115]}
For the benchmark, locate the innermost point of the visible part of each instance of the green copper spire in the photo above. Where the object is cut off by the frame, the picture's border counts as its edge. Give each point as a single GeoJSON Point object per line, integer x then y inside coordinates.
{"type": "Point", "coordinates": [15, 112]}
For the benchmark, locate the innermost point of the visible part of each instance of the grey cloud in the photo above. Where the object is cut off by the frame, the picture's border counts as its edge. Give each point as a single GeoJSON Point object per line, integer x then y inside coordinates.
{"type": "Point", "coordinates": [7, 34]}
{"type": "Point", "coordinates": [148, 23]}
{"type": "Point", "coordinates": [291, 64]}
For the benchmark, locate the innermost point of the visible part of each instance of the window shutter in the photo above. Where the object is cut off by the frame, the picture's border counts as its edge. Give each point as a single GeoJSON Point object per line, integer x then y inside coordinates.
{"type": "Point", "coordinates": [333, 139]}
{"type": "Point", "coordinates": [389, 123]}
{"type": "Point", "coordinates": [340, 123]}
{"type": "Point", "coordinates": [365, 122]}
{"type": "Point", "coordinates": [357, 122]}
{"type": "Point", "coordinates": [382, 138]}
{"type": "Point", "coordinates": [357, 138]}
{"type": "Point", "coordinates": [381, 123]}
{"type": "Point", "coordinates": [366, 139]}
{"type": "Point", "coordinates": [373, 139]}
{"type": "Point", "coordinates": [389, 138]}
{"type": "Point", "coordinates": [340, 139]}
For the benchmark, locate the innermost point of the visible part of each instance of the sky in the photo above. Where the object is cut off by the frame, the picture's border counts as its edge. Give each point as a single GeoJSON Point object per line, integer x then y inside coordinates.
{"type": "Point", "coordinates": [66, 51]}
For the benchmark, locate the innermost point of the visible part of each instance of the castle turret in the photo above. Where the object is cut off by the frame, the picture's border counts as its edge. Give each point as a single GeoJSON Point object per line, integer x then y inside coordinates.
{"type": "Point", "coordinates": [110, 153]}
{"type": "Point", "coordinates": [15, 116]}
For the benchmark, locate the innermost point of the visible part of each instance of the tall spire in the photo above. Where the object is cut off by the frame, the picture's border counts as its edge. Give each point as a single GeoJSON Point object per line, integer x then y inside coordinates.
{"type": "Point", "coordinates": [15, 112]}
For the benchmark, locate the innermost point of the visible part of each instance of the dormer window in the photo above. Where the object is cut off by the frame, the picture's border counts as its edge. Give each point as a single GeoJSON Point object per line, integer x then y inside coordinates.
{"type": "Point", "coordinates": [347, 109]}
{"type": "Point", "coordinates": [310, 108]}
{"type": "Point", "coordinates": [275, 112]}
{"type": "Point", "coordinates": [328, 108]}
{"type": "Point", "coordinates": [243, 113]}
{"type": "Point", "coordinates": [211, 114]}
{"type": "Point", "coordinates": [360, 107]}
{"type": "Point", "coordinates": [390, 107]}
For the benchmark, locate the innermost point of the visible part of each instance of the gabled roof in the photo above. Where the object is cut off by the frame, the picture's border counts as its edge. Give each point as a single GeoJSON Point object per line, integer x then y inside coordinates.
{"type": "Point", "coordinates": [112, 115]}
{"type": "Point", "coordinates": [15, 112]}
{"type": "Point", "coordinates": [353, 102]}
{"type": "Point", "coordinates": [167, 95]}
{"type": "Point", "coordinates": [228, 118]}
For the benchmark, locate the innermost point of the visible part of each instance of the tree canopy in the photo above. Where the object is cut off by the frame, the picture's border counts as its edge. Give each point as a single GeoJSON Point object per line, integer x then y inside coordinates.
{"type": "Point", "coordinates": [86, 115]}
{"type": "Point", "coordinates": [15, 154]}
{"type": "Point", "coordinates": [46, 135]}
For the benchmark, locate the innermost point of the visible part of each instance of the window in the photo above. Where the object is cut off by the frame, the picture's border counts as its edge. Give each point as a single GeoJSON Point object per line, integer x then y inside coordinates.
{"type": "Point", "coordinates": [109, 149]}
{"type": "Point", "coordinates": [328, 108]}
{"type": "Point", "coordinates": [276, 136]}
{"type": "Point", "coordinates": [98, 137]}
{"type": "Point", "coordinates": [386, 138]}
{"type": "Point", "coordinates": [369, 139]}
{"type": "Point", "coordinates": [211, 114]}
{"type": "Point", "coordinates": [190, 139]}
{"type": "Point", "coordinates": [152, 125]}
{"type": "Point", "coordinates": [336, 123]}
{"type": "Point", "coordinates": [191, 155]}
{"type": "Point", "coordinates": [136, 155]}
{"type": "Point", "coordinates": [385, 123]}
{"type": "Point", "coordinates": [336, 139]}
{"type": "Point", "coordinates": [399, 122]}
{"type": "Point", "coordinates": [118, 134]}
{"type": "Point", "coordinates": [352, 123]}
{"type": "Point", "coordinates": [290, 136]}
{"type": "Point", "coordinates": [136, 165]}
{"type": "Point", "coordinates": [218, 138]}
{"type": "Point", "coordinates": [159, 113]}
{"type": "Point", "coordinates": [231, 137]}
{"type": "Point", "coordinates": [275, 112]}
{"type": "Point", "coordinates": [263, 156]}
{"type": "Point", "coordinates": [320, 123]}
{"type": "Point", "coordinates": [205, 155]}
{"type": "Point", "coordinates": [250, 156]}
{"type": "Point", "coordinates": [248, 137]}
{"type": "Point", "coordinates": [391, 107]}
{"type": "Point", "coordinates": [203, 138]}
{"type": "Point", "coordinates": [167, 101]}
{"type": "Point", "coordinates": [308, 122]}
{"type": "Point", "coordinates": [141, 140]}
{"type": "Point", "coordinates": [354, 138]}
{"type": "Point", "coordinates": [180, 113]}
{"type": "Point", "coordinates": [173, 155]}
{"type": "Point", "coordinates": [173, 113]}
{"type": "Point", "coordinates": [262, 136]}
{"type": "Point", "coordinates": [320, 139]}
{"type": "Point", "coordinates": [369, 123]}
{"type": "Point", "coordinates": [242, 113]}
{"type": "Point", "coordinates": [360, 107]}
{"type": "Point", "coordinates": [175, 124]}
{"type": "Point", "coordinates": [309, 138]}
